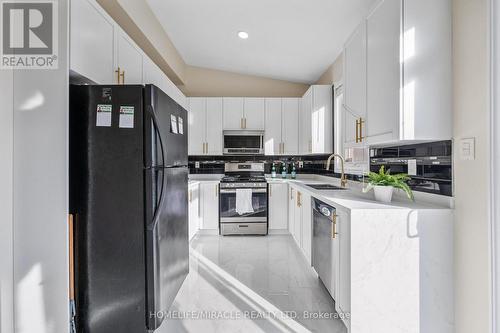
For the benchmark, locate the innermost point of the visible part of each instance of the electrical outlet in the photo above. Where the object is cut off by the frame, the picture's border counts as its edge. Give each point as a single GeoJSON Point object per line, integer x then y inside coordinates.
{"type": "Point", "coordinates": [197, 165]}
{"type": "Point", "coordinates": [301, 164]}
{"type": "Point", "coordinates": [467, 149]}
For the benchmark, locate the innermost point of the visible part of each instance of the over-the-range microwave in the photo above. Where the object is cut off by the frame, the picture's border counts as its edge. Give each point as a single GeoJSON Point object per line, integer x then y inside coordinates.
{"type": "Point", "coordinates": [243, 142]}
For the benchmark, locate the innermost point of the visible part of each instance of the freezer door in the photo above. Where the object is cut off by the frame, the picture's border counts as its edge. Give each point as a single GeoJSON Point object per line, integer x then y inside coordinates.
{"type": "Point", "coordinates": [167, 247]}
{"type": "Point", "coordinates": [171, 122]}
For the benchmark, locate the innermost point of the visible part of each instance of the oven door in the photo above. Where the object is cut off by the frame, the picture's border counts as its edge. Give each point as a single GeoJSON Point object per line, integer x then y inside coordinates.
{"type": "Point", "coordinates": [227, 207]}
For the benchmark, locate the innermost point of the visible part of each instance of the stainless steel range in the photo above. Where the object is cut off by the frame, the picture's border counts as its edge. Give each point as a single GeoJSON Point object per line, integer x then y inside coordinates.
{"type": "Point", "coordinates": [243, 201]}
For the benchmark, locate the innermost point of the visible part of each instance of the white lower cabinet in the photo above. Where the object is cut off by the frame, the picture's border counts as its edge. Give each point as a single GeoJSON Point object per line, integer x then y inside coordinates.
{"type": "Point", "coordinates": [278, 202]}
{"type": "Point", "coordinates": [194, 209]}
{"type": "Point", "coordinates": [300, 220]}
{"type": "Point", "coordinates": [209, 196]}
{"type": "Point", "coordinates": [306, 226]}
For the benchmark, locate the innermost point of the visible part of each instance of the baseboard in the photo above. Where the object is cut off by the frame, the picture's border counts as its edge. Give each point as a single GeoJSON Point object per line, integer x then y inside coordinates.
{"type": "Point", "coordinates": [207, 232]}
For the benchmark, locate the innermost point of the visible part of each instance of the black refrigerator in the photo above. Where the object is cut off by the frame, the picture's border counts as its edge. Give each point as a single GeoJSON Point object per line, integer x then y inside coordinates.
{"type": "Point", "coordinates": [128, 194]}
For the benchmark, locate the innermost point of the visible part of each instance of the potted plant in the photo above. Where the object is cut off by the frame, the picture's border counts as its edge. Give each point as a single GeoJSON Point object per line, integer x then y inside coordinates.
{"type": "Point", "coordinates": [383, 184]}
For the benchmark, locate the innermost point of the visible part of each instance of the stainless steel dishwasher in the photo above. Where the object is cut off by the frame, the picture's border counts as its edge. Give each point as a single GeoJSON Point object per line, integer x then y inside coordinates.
{"type": "Point", "coordinates": [324, 226]}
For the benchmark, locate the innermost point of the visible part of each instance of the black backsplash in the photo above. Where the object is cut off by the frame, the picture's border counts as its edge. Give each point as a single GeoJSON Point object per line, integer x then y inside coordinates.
{"type": "Point", "coordinates": [434, 166]}
{"type": "Point", "coordinates": [312, 164]}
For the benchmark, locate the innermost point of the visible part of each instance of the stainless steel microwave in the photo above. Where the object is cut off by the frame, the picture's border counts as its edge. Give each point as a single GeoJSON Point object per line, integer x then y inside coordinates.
{"type": "Point", "coordinates": [243, 142]}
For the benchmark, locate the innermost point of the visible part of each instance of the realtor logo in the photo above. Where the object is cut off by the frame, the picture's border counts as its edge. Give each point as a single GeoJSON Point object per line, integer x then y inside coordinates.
{"type": "Point", "coordinates": [29, 34]}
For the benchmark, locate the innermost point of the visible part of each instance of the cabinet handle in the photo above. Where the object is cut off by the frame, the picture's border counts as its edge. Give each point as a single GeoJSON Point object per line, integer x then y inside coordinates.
{"type": "Point", "coordinates": [118, 75]}
{"type": "Point", "coordinates": [203, 144]}
{"type": "Point", "coordinates": [270, 190]}
{"type": "Point", "coordinates": [122, 75]}
{"type": "Point", "coordinates": [206, 143]}
{"type": "Point", "coordinates": [299, 196]}
{"type": "Point", "coordinates": [291, 194]}
{"type": "Point", "coordinates": [245, 123]}
{"type": "Point", "coordinates": [241, 123]}
{"type": "Point", "coordinates": [334, 226]}
{"type": "Point", "coordinates": [357, 130]}
{"type": "Point", "coordinates": [216, 190]}
{"type": "Point", "coordinates": [361, 122]}
{"type": "Point", "coordinates": [190, 195]}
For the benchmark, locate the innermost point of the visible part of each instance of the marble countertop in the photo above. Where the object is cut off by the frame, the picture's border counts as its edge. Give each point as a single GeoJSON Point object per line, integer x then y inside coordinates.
{"type": "Point", "coordinates": [354, 198]}
{"type": "Point", "coordinates": [194, 178]}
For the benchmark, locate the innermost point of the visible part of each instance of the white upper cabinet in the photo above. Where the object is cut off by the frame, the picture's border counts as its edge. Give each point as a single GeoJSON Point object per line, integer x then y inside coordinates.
{"type": "Point", "coordinates": [233, 114]}
{"type": "Point", "coordinates": [305, 133]}
{"type": "Point", "coordinates": [129, 60]}
{"type": "Point", "coordinates": [197, 122]}
{"type": "Point", "coordinates": [205, 126]}
{"type": "Point", "coordinates": [214, 126]}
{"type": "Point", "coordinates": [355, 72]}
{"type": "Point", "coordinates": [384, 75]}
{"type": "Point", "coordinates": [290, 126]}
{"type": "Point", "coordinates": [282, 125]}
{"type": "Point", "coordinates": [254, 114]}
{"type": "Point", "coordinates": [273, 142]}
{"type": "Point", "coordinates": [408, 73]}
{"type": "Point", "coordinates": [316, 122]}
{"type": "Point", "coordinates": [91, 42]}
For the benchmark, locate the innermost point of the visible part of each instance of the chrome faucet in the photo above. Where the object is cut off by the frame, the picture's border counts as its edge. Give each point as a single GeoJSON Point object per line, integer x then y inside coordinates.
{"type": "Point", "coordinates": [343, 180]}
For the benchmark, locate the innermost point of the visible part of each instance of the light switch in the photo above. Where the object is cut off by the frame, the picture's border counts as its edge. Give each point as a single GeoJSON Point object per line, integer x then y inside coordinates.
{"type": "Point", "coordinates": [467, 149]}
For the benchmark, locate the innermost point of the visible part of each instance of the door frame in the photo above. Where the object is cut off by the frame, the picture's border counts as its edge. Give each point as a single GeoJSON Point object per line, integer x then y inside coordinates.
{"type": "Point", "coordinates": [494, 192]}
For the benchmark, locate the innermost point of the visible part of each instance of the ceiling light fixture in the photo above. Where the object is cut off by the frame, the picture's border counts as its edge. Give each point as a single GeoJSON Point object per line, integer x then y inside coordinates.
{"type": "Point", "coordinates": [243, 34]}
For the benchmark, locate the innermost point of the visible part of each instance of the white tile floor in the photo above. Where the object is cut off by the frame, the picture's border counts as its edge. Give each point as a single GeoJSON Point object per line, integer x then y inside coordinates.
{"type": "Point", "coordinates": [234, 278]}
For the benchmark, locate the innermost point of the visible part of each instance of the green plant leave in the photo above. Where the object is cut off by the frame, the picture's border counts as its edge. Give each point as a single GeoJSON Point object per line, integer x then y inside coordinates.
{"type": "Point", "coordinates": [384, 178]}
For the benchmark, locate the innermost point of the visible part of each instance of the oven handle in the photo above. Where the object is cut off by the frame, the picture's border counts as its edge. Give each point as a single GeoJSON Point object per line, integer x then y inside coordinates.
{"type": "Point", "coordinates": [260, 190]}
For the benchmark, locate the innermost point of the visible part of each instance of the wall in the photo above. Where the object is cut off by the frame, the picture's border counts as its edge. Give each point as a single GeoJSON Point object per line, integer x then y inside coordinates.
{"type": "Point", "coordinates": [334, 73]}
{"type": "Point", "coordinates": [40, 193]}
{"type": "Point", "coordinates": [471, 111]}
{"type": "Point", "coordinates": [137, 19]}
{"type": "Point", "coordinates": [209, 82]}
{"type": "Point", "coordinates": [6, 246]}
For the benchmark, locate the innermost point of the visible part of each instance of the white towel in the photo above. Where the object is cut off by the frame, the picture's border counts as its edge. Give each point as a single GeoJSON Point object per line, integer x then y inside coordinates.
{"type": "Point", "coordinates": [244, 201]}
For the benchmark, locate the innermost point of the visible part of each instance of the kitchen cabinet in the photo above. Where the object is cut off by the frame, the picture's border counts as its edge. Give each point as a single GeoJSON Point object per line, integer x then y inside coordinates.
{"type": "Point", "coordinates": [92, 39]}
{"type": "Point", "coordinates": [128, 59]}
{"type": "Point", "coordinates": [290, 125]}
{"type": "Point", "coordinates": [405, 101]}
{"type": "Point", "coordinates": [281, 126]}
{"type": "Point", "coordinates": [306, 226]}
{"type": "Point", "coordinates": [297, 219]}
{"type": "Point", "coordinates": [233, 113]}
{"type": "Point", "coordinates": [209, 206]}
{"type": "Point", "coordinates": [316, 121]}
{"type": "Point", "coordinates": [254, 113]}
{"type": "Point", "coordinates": [194, 209]}
{"type": "Point", "coordinates": [205, 126]}
{"type": "Point", "coordinates": [278, 203]}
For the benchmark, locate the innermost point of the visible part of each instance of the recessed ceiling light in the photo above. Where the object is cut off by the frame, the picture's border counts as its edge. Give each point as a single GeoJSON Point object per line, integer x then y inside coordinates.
{"type": "Point", "coordinates": [243, 34]}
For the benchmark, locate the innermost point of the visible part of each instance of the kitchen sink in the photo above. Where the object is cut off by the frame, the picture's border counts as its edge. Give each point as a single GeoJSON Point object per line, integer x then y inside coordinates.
{"type": "Point", "coordinates": [326, 187]}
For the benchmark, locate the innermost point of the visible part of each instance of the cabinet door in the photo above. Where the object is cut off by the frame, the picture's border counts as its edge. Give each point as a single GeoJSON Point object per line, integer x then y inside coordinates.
{"type": "Point", "coordinates": [210, 206]}
{"type": "Point", "coordinates": [272, 137]}
{"type": "Point", "coordinates": [305, 133]}
{"type": "Point", "coordinates": [343, 292]}
{"type": "Point", "coordinates": [355, 72]}
{"type": "Point", "coordinates": [350, 127]}
{"type": "Point", "coordinates": [278, 202]}
{"type": "Point", "coordinates": [197, 126]}
{"type": "Point", "coordinates": [214, 125]}
{"type": "Point", "coordinates": [297, 228]}
{"type": "Point", "coordinates": [290, 125]}
{"type": "Point", "coordinates": [306, 226]}
{"type": "Point", "coordinates": [322, 121]}
{"type": "Point", "coordinates": [254, 113]}
{"type": "Point", "coordinates": [233, 113]}
{"type": "Point", "coordinates": [291, 209]}
{"type": "Point", "coordinates": [91, 42]}
{"type": "Point", "coordinates": [194, 209]}
{"type": "Point", "coordinates": [129, 59]}
{"type": "Point", "coordinates": [383, 66]}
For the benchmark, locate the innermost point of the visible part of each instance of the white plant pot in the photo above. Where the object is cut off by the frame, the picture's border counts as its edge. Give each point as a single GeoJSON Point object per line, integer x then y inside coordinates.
{"type": "Point", "coordinates": [383, 193]}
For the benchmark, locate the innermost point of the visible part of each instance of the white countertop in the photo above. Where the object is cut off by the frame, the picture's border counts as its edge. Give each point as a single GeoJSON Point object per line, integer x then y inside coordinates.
{"type": "Point", "coordinates": [354, 198]}
{"type": "Point", "coordinates": [204, 178]}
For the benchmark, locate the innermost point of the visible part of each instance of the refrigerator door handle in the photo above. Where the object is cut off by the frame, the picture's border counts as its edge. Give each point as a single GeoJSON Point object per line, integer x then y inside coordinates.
{"type": "Point", "coordinates": [152, 225]}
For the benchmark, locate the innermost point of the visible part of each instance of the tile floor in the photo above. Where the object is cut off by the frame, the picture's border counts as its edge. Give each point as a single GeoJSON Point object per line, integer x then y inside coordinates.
{"type": "Point", "coordinates": [250, 284]}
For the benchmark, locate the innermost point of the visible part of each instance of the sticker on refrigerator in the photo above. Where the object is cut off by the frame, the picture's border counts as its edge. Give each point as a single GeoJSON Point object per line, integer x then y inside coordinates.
{"type": "Point", "coordinates": [103, 118]}
{"type": "Point", "coordinates": [126, 117]}
{"type": "Point", "coordinates": [173, 124]}
{"type": "Point", "coordinates": [180, 124]}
